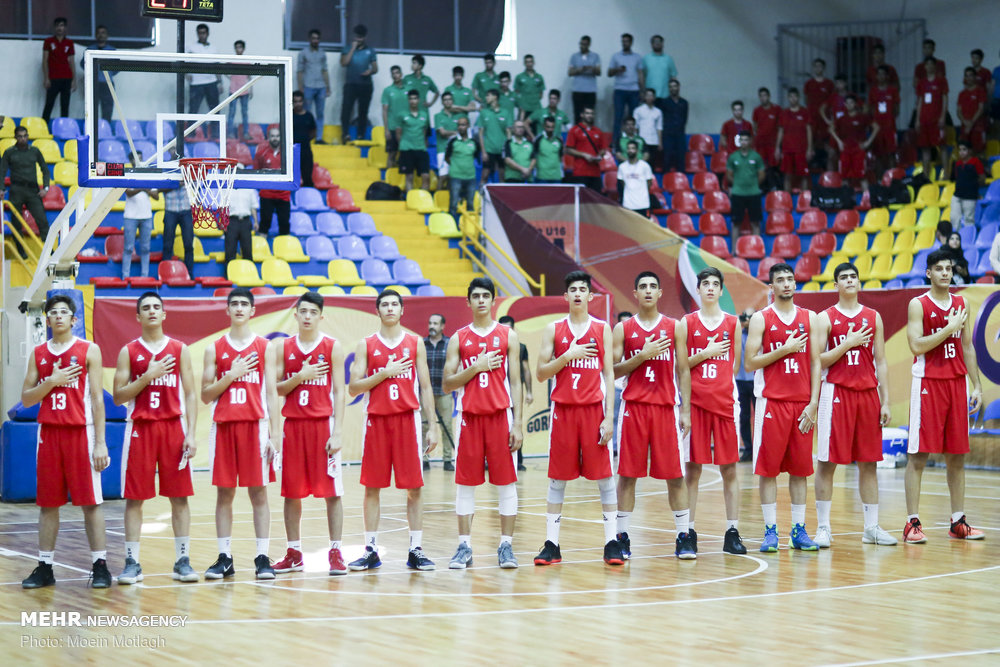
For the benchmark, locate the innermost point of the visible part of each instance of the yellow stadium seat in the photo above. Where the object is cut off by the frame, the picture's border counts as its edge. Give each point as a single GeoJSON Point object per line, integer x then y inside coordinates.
{"type": "Point", "coordinates": [442, 199]}
{"type": "Point", "coordinates": [158, 203]}
{"type": "Point", "coordinates": [929, 217]}
{"type": "Point", "coordinates": [855, 243]}
{"type": "Point", "coordinates": [905, 218]}
{"type": "Point", "coordinates": [69, 151]}
{"type": "Point", "coordinates": [928, 196]}
{"type": "Point", "coordinates": [420, 201]}
{"type": "Point", "coordinates": [835, 259]}
{"type": "Point", "coordinates": [947, 192]}
{"type": "Point", "coordinates": [65, 174]}
{"type": "Point", "coordinates": [260, 249]}
{"type": "Point", "coordinates": [210, 233]}
{"type": "Point", "coordinates": [881, 269]}
{"type": "Point", "coordinates": [873, 284]}
{"type": "Point", "coordinates": [5, 144]}
{"type": "Point", "coordinates": [992, 147]}
{"type": "Point", "coordinates": [443, 225]}
{"type": "Point", "coordinates": [118, 206]}
{"type": "Point", "coordinates": [811, 286]}
{"type": "Point", "coordinates": [946, 213]}
{"type": "Point", "coordinates": [289, 249]}
{"type": "Point", "coordinates": [402, 289]}
{"type": "Point", "coordinates": [864, 264]}
{"type": "Point", "coordinates": [876, 220]}
{"type": "Point", "coordinates": [332, 290]}
{"type": "Point", "coordinates": [995, 169]}
{"type": "Point", "coordinates": [199, 251]}
{"type": "Point", "coordinates": [903, 263]}
{"type": "Point", "coordinates": [393, 177]}
{"type": "Point", "coordinates": [331, 134]}
{"type": "Point", "coordinates": [243, 272]}
{"type": "Point", "coordinates": [277, 273]}
{"type": "Point", "coordinates": [343, 272]}
{"type": "Point", "coordinates": [378, 138]}
{"type": "Point", "coordinates": [925, 239]}
{"type": "Point", "coordinates": [903, 241]}
{"type": "Point", "coordinates": [37, 127]}
{"type": "Point", "coordinates": [49, 149]}
{"type": "Point", "coordinates": [7, 128]}
{"type": "Point", "coordinates": [829, 287]}
{"type": "Point", "coordinates": [294, 290]}
{"type": "Point", "coordinates": [433, 185]}
{"type": "Point", "coordinates": [377, 157]}
{"type": "Point", "coordinates": [882, 243]}
{"type": "Point", "coordinates": [364, 290]}
{"type": "Point", "coordinates": [157, 222]}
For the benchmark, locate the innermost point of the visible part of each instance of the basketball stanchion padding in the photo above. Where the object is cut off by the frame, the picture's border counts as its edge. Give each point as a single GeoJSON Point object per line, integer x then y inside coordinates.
{"type": "Point", "coordinates": [209, 186]}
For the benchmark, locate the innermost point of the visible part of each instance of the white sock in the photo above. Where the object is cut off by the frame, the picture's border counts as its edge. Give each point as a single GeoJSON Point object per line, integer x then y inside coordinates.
{"type": "Point", "coordinates": [955, 516]}
{"type": "Point", "coordinates": [770, 511]}
{"type": "Point", "coordinates": [609, 525]}
{"type": "Point", "coordinates": [732, 523]}
{"type": "Point", "coordinates": [823, 512]}
{"type": "Point", "coordinates": [690, 521]}
{"type": "Point", "coordinates": [466, 540]}
{"type": "Point", "coordinates": [681, 522]}
{"type": "Point", "coordinates": [506, 539]}
{"type": "Point", "coordinates": [263, 543]}
{"type": "Point", "coordinates": [911, 517]}
{"type": "Point", "coordinates": [871, 515]}
{"type": "Point", "coordinates": [295, 544]}
{"type": "Point", "coordinates": [371, 540]}
{"type": "Point", "coordinates": [798, 514]}
{"type": "Point", "coordinates": [48, 557]}
{"type": "Point", "coordinates": [182, 547]}
{"type": "Point", "coordinates": [98, 555]}
{"type": "Point", "coordinates": [226, 546]}
{"type": "Point", "coordinates": [416, 537]}
{"type": "Point", "coordinates": [622, 521]}
{"type": "Point", "coordinates": [335, 544]}
{"type": "Point", "coordinates": [132, 551]}
{"type": "Point", "coordinates": [552, 527]}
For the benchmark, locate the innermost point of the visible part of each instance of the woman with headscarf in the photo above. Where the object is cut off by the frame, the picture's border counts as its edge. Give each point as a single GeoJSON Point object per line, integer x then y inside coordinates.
{"type": "Point", "coordinates": [959, 264]}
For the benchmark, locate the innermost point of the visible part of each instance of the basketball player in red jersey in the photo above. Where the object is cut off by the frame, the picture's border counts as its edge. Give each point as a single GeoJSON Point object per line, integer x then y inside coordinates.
{"type": "Point", "coordinates": [939, 335]}
{"type": "Point", "coordinates": [64, 380]}
{"type": "Point", "coordinates": [244, 399]}
{"type": "Point", "coordinates": [710, 411]}
{"type": "Point", "coordinates": [853, 402]}
{"type": "Point", "coordinates": [155, 378]}
{"type": "Point", "coordinates": [576, 351]}
{"type": "Point", "coordinates": [391, 367]}
{"type": "Point", "coordinates": [649, 437]}
{"type": "Point", "coordinates": [782, 350]}
{"type": "Point", "coordinates": [483, 366]}
{"type": "Point", "coordinates": [310, 377]}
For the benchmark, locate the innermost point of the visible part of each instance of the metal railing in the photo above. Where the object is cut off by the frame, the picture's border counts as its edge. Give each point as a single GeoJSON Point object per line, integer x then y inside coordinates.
{"type": "Point", "coordinates": [470, 242]}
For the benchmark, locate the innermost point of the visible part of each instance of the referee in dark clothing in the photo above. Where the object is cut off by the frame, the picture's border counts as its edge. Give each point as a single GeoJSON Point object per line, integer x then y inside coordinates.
{"type": "Point", "coordinates": [21, 159]}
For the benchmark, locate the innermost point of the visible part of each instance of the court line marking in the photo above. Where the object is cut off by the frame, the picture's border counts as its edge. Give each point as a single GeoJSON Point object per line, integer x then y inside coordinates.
{"type": "Point", "coordinates": [914, 658]}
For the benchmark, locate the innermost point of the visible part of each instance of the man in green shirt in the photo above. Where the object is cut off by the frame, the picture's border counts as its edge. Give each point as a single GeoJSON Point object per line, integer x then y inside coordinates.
{"type": "Point", "coordinates": [445, 126]}
{"type": "Point", "coordinates": [548, 153]}
{"type": "Point", "coordinates": [414, 126]}
{"type": "Point", "coordinates": [745, 169]}
{"type": "Point", "coordinates": [494, 123]}
{"type": "Point", "coordinates": [518, 156]}
{"type": "Point", "coordinates": [419, 81]}
{"type": "Point", "coordinates": [507, 98]}
{"type": "Point", "coordinates": [486, 80]}
{"type": "Point", "coordinates": [460, 95]}
{"type": "Point", "coordinates": [553, 110]}
{"type": "Point", "coordinates": [528, 88]}
{"type": "Point", "coordinates": [393, 105]}
{"type": "Point", "coordinates": [630, 133]}
{"type": "Point", "coordinates": [22, 160]}
{"type": "Point", "coordinates": [460, 155]}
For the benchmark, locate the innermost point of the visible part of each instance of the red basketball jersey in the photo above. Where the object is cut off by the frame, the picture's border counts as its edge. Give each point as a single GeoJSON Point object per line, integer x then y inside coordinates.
{"type": "Point", "coordinates": [580, 382]}
{"type": "Point", "coordinates": [852, 130]}
{"type": "Point", "coordinates": [883, 104]}
{"type": "Point", "coordinates": [794, 122]}
{"type": "Point", "coordinates": [947, 360]}
{"type": "Point", "coordinates": [68, 405]}
{"type": "Point", "coordinates": [856, 369]}
{"type": "Point", "coordinates": [788, 378]}
{"type": "Point", "coordinates": [713, 382]}
{"type": "Point", "coordinates": [489, 391]}
{"type": "Point", "coordinates": [163, 398]}
{"type": "Point", "coordinates": [652, 381]}
{"type": "Point", "coordinates": [244, 400]}
{"type": "Point", "coordinates": [311, 399]}
{"type": "Point", "coordinates": [766, 121]}
{"type": "Point", "coordinates": [397, 394]}
{"type": "Point", "coordinates": [817, 94]}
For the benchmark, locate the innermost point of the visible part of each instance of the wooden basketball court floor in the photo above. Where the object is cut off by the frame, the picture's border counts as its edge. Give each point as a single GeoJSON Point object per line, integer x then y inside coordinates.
{"type": "Point", "coordinates": [853, 604]}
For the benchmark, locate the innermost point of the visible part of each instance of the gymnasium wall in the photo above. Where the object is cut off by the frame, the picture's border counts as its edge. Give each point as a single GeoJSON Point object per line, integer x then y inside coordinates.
{"type": "Point", "coordinates": [705, 38]}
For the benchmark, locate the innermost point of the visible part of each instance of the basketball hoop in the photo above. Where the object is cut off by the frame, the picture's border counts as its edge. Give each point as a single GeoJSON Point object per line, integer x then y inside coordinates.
{"type": "Point", "coordinates": [209, 185]}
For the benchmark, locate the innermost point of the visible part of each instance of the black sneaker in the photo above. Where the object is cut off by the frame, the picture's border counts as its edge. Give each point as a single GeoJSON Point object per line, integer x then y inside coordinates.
{"type": "Point", "coordinates": [685, 547]}
{"type": "Point", "coordinates": [449, 466]}
{"type": "Point", "coordinates": [99, 575]}
{"type": "Point", "coordinates": [40, 577]}
{"type": "Point", "coordinates": [427, 465]}
{"type": "Point", "coordinates": [222, 567]}
{"type": "Point", "coordinates": [262, 565]}
{"type": "Point", "coordinates": [367, 562]}
{"type": "Point", "coordinates": [549, 554]}
{"type": "Point", "coordinates": [733, 543]}
{"type": "Point", "coordinates": [416, 560]}
{"type": "Point", "coordinates": [694, 539]}
{"type": "Point", "coordinates": [613, 553]}
{"type": "Point", "coordinates": [625, 544]}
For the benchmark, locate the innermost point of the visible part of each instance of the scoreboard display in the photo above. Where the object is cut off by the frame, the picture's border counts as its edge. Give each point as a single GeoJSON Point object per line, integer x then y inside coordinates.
{"type": "Point", "coordinates": [183, 10]}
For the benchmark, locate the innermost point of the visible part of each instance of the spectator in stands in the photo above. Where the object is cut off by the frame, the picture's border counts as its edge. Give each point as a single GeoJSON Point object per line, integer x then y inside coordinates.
{"type": "Point", "coordinates": [507, 320]}
{"type": "Point", "coordinates": [658, 70]}
{"type": "Point", "coordinates": [746, 170]}
{"type": "Point", "coordinates": [765, 125]}
{"type": "Point", "coordinates": [635, 178]}
{"type": "Point", "coordinates": [242, 224]}
{"type": "Point", "coordinates": [494, 128]}
{"type": "Point", "coordinates": [528, 89]}
{"type": "Point", "coordinates": [959, 263]}
{"type": "Point", "coordinates": [101, 87]}
{"type": "Point", "coordinates": [971, 111]}
{"type": "Point", "coordinates": [850, 132]}
{"type": "Point", "coordinates": [816, 90]}
{"type": "Point", "coordinates": [507, 98]}
{"type": "Point", "coordinates": [423, 84]}
{"type": "Point", "coordinates": [23, 161]}
{"type": "Point", "coordinates": [436, 344]}
{"type": "Point", "coordinates": [548, 153]}
{"type": "Point", "coordinates": [303, 132]}
{"type": "Point", "coordinates": [273, 201]}
{"type": "Point", "coordinates": [943, 232]}
{"type": "Point", "coordinates": [627, 70]}
{"type": "Point", "coordinates": [832, 110]}
{"type": "Point", "coordinates": [177, 214]}
{"type": "Point", "coordinates": [414, 126]}
{"type": "Point", "coordinates": [983, 76]}
{"type": "Point", "coordinates": [920, 71]}
{"type": "Point", "coordinates": [995, 257]}
{"type": "Point", "coordinates": [460, 156]}
{"type": "Point", "coordinates": [393, 105]}
{"type": "Point", "coordinates": [314, 80]}
{"type": "Point", "coordinates": [518, 156]}
{"type": "Point", "coordinates": [237, 81]}
{"type": "Point", "coordinates": [203, 86]}
{"type": "Point", "coordinates": [883, 105]}
{"type": "Point", "coordinates": [445, 126]}
{"type": "Point", "coordinates": [649, 118]}
{"type": "Point", "coordinates": [744, 389]}
{"type": "Point", "coordinates": [878, 60]}
{"type": "Point", "coordinates": [932, 107]}
{"type": "Point", "coordinates": [795, 142]}
{"type": "Point", "coordinates": [994, 91]}
{"type": "Point", "coordinates": [462, 98]}
{"type": "Point", "coordinates": [584, 67]}
{"type": "Point", "coordinates": [486, 80]}
{"type": "Point", "coordinates": [675, 117]}
{"type": "Point", "coordinates": [585, 142]}
{"type": "Point", "coordinates": [734, 127]}
{"type": "Point", "coordinates": [969, 175]}
{"type": "Point", "coordinates": [553, 111]}
{"type": "Point", "coordinates": [58, 73]}
{"type": "Point", "coordinates": [361, 64]}
{"type": "Point", "coordinates": [138, 221]}
{"type": "Point", "coordinates": [630, 134]}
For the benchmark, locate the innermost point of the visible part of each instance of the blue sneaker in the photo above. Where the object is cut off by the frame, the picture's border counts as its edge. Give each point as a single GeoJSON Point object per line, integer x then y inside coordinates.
{"type": "Point", "coordinates": [799, 539]}
{"type": "Point", "coordinates": [685, 547]}
{"type": "Point", "coordinates": [770, 543]}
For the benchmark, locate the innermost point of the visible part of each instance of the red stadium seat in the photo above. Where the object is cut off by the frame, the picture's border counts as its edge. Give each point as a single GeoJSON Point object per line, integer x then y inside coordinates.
{"type": "Point", "coordinates": [685, 201]}
{"type": "Point", "coordinates": [787, 246]}
{"type": "Point", "coordinates": [740, 264]}
{"type": "Point", "coordinates": [804, 202]}
{"type": "Point", "coordinates": [175, 274]}
{"type": "Point", "coordinates": [701, 143]}
{"type": "Point", "coordinates": [214, 281]}
{"type": "Point", "coordinates": [108, 282]}
{"type": "Point", "coordinates": [845, 221]}
{"type": "Point", "coordinates": [144, 281]}
{"type": "Point", "coordinates": [694, 162]}
{"type": "Point", "coordinates": [680, 223]}
{"type": "Point", "coordinates": [717, 165]}
{"type": "Point", "coordinates": [114, 248]}
{"type": "Point", "coordinates": [822, 244]}
{"type": "Point", "coordinates": [222, 291]}
{"type": "Point", "coordinates": [659, 202]}
{"type": "Point", "coordinates": [105, 230]}
{"type": "Point", "coordinates": [894, 174]}
{"type": "Point", "coordinates": [262, 291]}
{"type": "Point", "coordinates": [713, 224]}
{"type": "Point", "coordinates": [807, 267]}
{"type": "Point", "coordinates": [609, 180]}
{"type": "Point", "coordinates": [341, 200]}
{"type": "Point", "coordinates": [321, 178]}
{"type": "Point", "coordinates": [255, 135]}
{"type": "Point", "coordinates": [715, 245]}
{"type": "Point", "coordinates": [764, 268]}
{"type": "Point", "coordinates": [830, 179]}
{"type": "Point", "coordinates": [674, 181]}
{"type": "Point", "coordinates": [779, 222]}
{"type": "Point", "coordinates": [778, 200]}
{"type": "Point", "coordinates": [750, 246]}
{"type": "Point", "coordinates": [54, 199]}
{"type": "Point", "coordinates": [717, 202]}
{"type": "Point", "coordinates": [813, 221]}
{"type": "Point", "coordinates": [706, 181]}
{"type": "Point", "coordinates": [92, 259]}
{"type": "Point", "coordinates": [239, 150]}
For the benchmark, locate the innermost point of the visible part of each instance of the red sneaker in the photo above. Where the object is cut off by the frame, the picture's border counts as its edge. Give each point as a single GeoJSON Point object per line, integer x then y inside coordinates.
{"type": "Point", "coordinates": [960, 530]}
{"type": "Point", "coordinates": [292, 562]}
{"type": "Point", "coordinates": [912, 533]}
{"type": "Point", "coordinates": [337, 565]}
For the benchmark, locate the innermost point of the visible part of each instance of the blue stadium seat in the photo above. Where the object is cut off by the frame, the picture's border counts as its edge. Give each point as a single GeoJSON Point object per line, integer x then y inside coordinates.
{"type": "Point", "coordinates": [984, 241]}
{"type": "Point", "coordinates": [168, 131]}
{"type": "Point", "coordinates": [301, 224]}
{"type": "Point", "coordinates": [329, 223]}
{"type": "Point", "coordinates": [919, 269]}
{"type": "Point", "coordinates": [104, 130]}
{"type": "Point", "coordinates": [968, 236]}
{"type": "Point", "coordinates": [310, 199]}
{"type": "Point", "coordinates": [203, 149]}
{"type": "Point", "coordinates": [429, 290]}
{"type": "Point", "coordinates": [982, 265]}
{"type": "Point", "coordinates": [384, 248]}
{"type": "Point", "coordinates": [361, 224]}
{"type": "Point", "coordinates": [352, 247]}
{"type": "Point", "coordinates": [993, 191]}
{"type": "Point", "coordinates": [320, 248]}
{"type": "Point", "coordinates": [134, 128]}
{"type": "Point", "coordinates": [110, 150]}
{"type": "Point", "coordinates": [146, 149]}
{"type": "Point", "coordinates": [407, 272]}
{"type": "Point", "coordinates": [916, 282]}
{"type": "Point", "coordinates": [895, 283]}
{"type": "Point", "coordinates": [376, 272]}
{"type": "Point", "coordinates": [65, 128]}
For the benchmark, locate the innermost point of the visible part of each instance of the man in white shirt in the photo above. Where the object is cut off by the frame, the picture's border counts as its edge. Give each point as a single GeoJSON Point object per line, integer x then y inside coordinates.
{"type": "Point", "coordinates": [242, 223]}
{"type": "Point", "coordinates": [203, 86]}
{"type": "Point", "coordinates": [634, 180]}
{"type": "Point", "coordinates": [649, 119]}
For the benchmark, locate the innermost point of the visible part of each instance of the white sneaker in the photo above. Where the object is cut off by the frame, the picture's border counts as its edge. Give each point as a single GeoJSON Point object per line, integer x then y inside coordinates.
{"type": "Point", "coordinates": [876, 535]}
{"type": "Point", "coordinates": [823, 538]}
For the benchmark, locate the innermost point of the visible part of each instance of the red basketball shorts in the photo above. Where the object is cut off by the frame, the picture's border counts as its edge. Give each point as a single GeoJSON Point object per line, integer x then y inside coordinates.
{"type": "Point", "coordinates": [152, 446]}
{"type": "Point", "coordinates": [847, 425]}
{"type": "Point", "coordinates": [649, 441]}
{"type": "Point", "coordinates": [392, 445]}
{"type": "Point", "coordinates": [852, 163]}
{"type": "Point", "coordinates": [484, 441]}
{"type": "Point", "coordinates": [237, 454]}
{"type": "Point", "coordinates": [885, 140]}
{"type": "Point", "coordinates": [929, 135]}
{"type": "Point", "coordinates": [64, 466]}
{"type": "Point", "coordinates": [574, 442]}
{"type": "Point", "coordinates": [939, 416]}
{"type": "Point", "coordinates": [708, 429]}
{"type": "Point", "coordinates": [778, 445]}
{"type": "Point", "coordinates": [794, 164]}
{"type": "Point", "coordinates": [305, 466]}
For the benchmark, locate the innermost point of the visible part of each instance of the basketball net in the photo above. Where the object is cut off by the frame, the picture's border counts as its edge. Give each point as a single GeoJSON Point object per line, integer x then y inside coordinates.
{"type": "Point", "coordinates": [209, 186]}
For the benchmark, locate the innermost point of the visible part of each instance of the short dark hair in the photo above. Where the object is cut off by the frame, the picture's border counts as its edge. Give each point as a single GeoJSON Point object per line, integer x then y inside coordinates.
{"type": "Point", "coordinates": [650, 90]}
{"type": "Point", "coordinates": [361, 30]}
{"type": "Point", "coordinates": [937, 256]}
{"type": "Point", "coordinates": [443, 320]}
{"type": "Point", "coordinates": [395, 67]}
{"type": "Point", "coordinates": [878, 47]}
{"type": "Point", "coordinates": [51, 302]}
{"type": "Point", "coordinates": [310, 297]}
{"type": "Point", "coordinates": [20, 128]}
{"type": "Point", "coordinates": [507, 320]}
{"type": "Point", "coordinates": [629, 35]}
{"type": "Point", "coordinates": [674, 79]}
{"type": "Point", "coordinates": [413, 93]}
{"type": "Point", "coordinates": [840, 77]}
{"type": "Point", "coordinates": [659, 37]}
{"type": "Point", "coordinates": [763, 89]}
{"type": "Point", "coordinates": [458, 69]}
{"type": "Point", "coordinates": [481, 282]}
{"type": "Point", "coordinates": [298, 93]}
{"type": "Point", "coordinates": [844, 266]}
{"type": "Point", "coordinates": [819, 60]}
{"type": "Point", "coordinates": [577, 276]}
{"type": "Point", "coordinates": [792, 90]}
{"type": "Point", "coordinates": [977, 52]}
{"type": "Point", "coordinates": [59, 20]}
{"type": "Point", "coordinates": [419, 59]}
{"type": "Point", "coordinates": [629, 118]}
{"type": "Point", "coordinates": [944, 228]}
{"type": "Point", "coordinates": [490, 56]}
{"type": "Point", "coordinates": [549, 119]}
{"type": "Point", "coordinates": [504, 75]}
{"type": "Point", "coordinates": [710, 272]}
{"type": "Point", "coordinates": [147, 295]}
{"type": "Point", "coordinates": [528, 55]}
{"type": "Point", "coordinates": [240, 42]}
{"type": "Point", "coordinates": [780, 267]}
{"type": "Point", "coordinates": [586, 37]}
{"type": "Point", "coordinates": [556, 92]}
{"type": "Point", "coordinates": [969, 69]}
{"type": "Point", "coordinates": [447, 94]}
{"type": "Point", "coordinates": [205, 26]}
{"type": "Point", "coordinates": [101, 26]}
{"type": "Point", "coordinates": [735, 102]}
{"type": "Point", "coordinates": [851, 96]}
{"type": "Point", "coordinates": [494, 92]}
{"type": "Point", "coordinates": [744, 133]}
{"type": "Point", "coordinates": [623, 315]}
{"type": "Point", "coordinates": [646, 274]}
{"type": "Point", "coordinates": [930, 59]}
{"type": "Point", "coordinates": [930, 42]}
{"type": "Point", "coordinates": [387, 293]}
{"type": "Point", "coordinates": [314, 31]}
{"type": "Point", "coordinates": [965, 143]}
{"type": "Point", "coordinates": [883, 68]}
{"type": "Point", "coordinates": [237, 292]}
